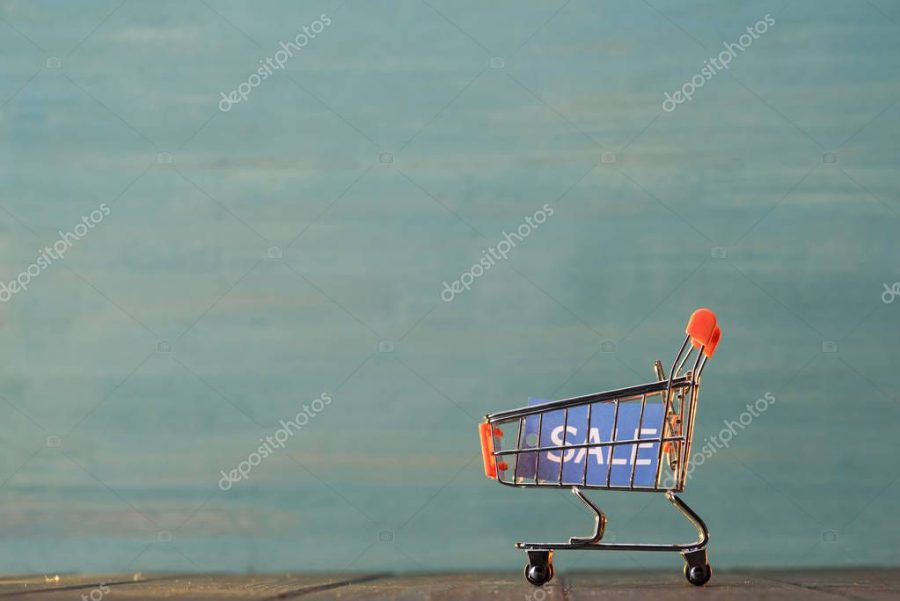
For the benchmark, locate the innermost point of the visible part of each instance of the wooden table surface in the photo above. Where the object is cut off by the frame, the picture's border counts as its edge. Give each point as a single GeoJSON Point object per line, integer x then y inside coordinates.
{"type": "Point", "coordinates": [795, 585]}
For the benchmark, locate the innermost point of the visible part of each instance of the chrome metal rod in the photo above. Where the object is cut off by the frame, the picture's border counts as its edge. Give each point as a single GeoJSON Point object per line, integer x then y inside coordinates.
{"type": "Point", "coordinates": [599, 521]}
{"type": "Point", "coordinates": [699, 545]}
{"type": "Point", "coordinates": [632, 392]}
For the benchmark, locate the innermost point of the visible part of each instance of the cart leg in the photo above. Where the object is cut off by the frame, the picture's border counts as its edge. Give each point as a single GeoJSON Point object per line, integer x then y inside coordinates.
{"type": "Point", "coordinates": [599, 521]}
{"type": "Point", "coordinates": [539, 570]}
{"type": "Point", "coordinates": [696, 563]}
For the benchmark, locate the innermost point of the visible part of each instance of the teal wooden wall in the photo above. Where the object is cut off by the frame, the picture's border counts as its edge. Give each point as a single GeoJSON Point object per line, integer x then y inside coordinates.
{"type": "Point", "coordinates": [297, 244]}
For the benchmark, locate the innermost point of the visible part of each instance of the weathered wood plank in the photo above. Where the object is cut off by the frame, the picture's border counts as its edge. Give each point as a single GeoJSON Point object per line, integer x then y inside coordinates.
{"type": "Point", "coordinates": [872, 584]}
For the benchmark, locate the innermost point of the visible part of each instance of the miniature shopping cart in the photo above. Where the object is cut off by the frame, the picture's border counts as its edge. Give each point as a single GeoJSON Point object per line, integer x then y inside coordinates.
{"type": "Point", "coordinates": [634, 439]}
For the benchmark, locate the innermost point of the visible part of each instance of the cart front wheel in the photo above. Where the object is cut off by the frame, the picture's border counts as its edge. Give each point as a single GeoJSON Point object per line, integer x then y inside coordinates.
{"type": "Point", "coordinates": [539, 574]}
{"type": "Point", "coordinates": [698, 575]}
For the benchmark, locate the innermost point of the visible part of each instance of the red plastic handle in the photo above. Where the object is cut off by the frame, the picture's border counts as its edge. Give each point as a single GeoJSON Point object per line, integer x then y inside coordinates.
{"type": "Point", "coordinates": [704, 331]}
{"type": "Point", "coordinates": [486, 432]}
{"type": "Point", "coordinates": [710, 348]}
{"type": "Point", "coordinates": [701, 327]}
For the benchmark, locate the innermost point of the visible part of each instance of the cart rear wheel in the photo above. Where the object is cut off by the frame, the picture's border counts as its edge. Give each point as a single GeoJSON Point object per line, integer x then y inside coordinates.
{"type": "Point", "coordinates": [698, 575]}
{"type": "Point", "coordinates": [539, 574]}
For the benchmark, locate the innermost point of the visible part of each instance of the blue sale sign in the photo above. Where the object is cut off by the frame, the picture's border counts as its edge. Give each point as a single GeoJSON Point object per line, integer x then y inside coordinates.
{"type": "Point", "coordinates": [593, 466]}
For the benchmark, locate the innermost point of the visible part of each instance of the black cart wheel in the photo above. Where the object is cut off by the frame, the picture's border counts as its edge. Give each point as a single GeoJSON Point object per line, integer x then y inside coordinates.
{"type": "Point", "coordinates": [698, 575]}
{"type": "Point", "coordinates": [539, 574]}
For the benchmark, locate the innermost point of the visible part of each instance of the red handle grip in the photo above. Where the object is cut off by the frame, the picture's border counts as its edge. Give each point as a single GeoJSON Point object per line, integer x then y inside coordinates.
{"type": "Point", "coordinates": [710, 348]}
{"type": "Point", "coordinates": [487, 449]}
{"type": "Point", "coordinates": [704, 330]}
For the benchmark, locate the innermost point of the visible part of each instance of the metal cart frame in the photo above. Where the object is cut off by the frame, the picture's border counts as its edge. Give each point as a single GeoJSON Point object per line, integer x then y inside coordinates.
{"type": "Point", "coordinates": [678, 394]}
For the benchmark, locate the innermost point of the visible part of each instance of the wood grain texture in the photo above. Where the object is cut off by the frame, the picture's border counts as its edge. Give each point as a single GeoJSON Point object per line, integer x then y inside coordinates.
{"type": "Point", "coordinates": [866, 584]}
